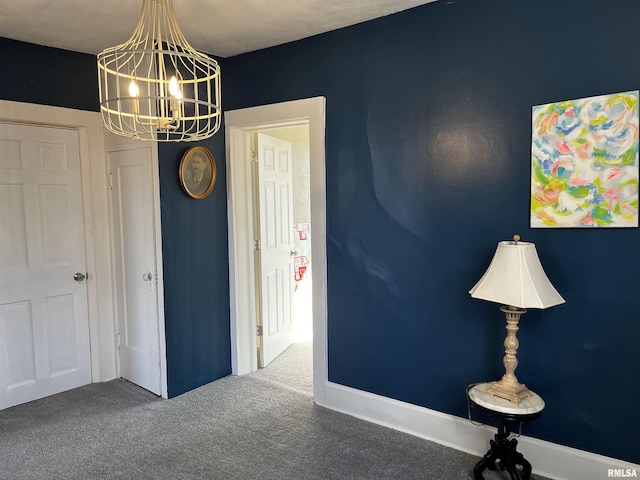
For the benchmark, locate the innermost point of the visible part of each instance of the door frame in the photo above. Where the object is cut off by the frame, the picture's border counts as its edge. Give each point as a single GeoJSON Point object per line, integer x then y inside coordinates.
{"type": "Point", "coordinates": [239, 126]}
{"type": "Point", "coordinates": [96, 221]}
{"type": "Point", "coordinates": [116, 143]}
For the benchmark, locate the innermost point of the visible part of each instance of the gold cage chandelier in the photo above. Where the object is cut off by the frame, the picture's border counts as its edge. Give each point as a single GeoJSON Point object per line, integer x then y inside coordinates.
{"type": "Point", "coordinates": [156, 86]}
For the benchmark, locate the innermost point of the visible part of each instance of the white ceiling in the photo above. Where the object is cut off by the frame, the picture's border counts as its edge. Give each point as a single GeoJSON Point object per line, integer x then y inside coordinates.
{"type": "Point", "coordinates": [219, 27]}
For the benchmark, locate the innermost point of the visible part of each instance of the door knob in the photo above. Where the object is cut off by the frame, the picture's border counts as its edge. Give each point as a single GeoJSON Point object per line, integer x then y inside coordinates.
{"type": "Point", "coordinates": [294, 253]}
{"type": "Point", "coordinates": [147, 277]}
{"type": "Point", "coordinates": [79, 277]}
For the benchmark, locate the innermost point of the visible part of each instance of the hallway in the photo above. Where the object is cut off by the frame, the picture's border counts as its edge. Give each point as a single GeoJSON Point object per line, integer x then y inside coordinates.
{"type": "Point", "coordinates": [292, 369]}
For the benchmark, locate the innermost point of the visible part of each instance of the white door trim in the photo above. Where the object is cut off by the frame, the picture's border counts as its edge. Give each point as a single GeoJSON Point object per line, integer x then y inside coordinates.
{"type": "Point", "coordinates": [239, 125]}
{"type": "Point", "coordinates": [96, 221]}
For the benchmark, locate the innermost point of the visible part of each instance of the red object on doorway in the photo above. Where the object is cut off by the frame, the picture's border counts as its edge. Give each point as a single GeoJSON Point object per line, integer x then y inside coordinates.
{"type": "Point", "coordinates": [303, 230]}
{"type": "Point", "coordinates": [300, 267]}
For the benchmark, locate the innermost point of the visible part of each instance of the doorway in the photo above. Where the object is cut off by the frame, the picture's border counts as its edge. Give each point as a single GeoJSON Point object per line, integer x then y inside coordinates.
{"type": "Point", "coordinates": [241, 125]}
{"type": "Point", "coordinates": [282, 215]}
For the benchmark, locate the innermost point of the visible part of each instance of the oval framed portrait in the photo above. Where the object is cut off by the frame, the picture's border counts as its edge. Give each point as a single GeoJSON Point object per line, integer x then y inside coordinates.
{"type": "Point", "coordinates": [197, 172]}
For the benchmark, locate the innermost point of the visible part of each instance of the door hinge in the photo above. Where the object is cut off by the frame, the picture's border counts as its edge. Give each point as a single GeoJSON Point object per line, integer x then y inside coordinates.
{"type": "Point", "coordinates": [259, 330]}
{"type": "Point", "coordinates": [110, 181]}
{"type": "Point", "coordinates": [257, 245]}
{"type": "Point", "coordinates": [254, 156]}
{"type": "Point", "coordinates": [118, 340]}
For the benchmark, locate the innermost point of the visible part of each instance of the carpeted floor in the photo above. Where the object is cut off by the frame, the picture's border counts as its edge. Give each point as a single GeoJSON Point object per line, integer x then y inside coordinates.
{"type": "Point", "coordinates": [260, 426]}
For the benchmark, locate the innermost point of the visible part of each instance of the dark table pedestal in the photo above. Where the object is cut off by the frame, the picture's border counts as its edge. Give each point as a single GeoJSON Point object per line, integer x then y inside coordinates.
{"type": "Point", "coordinates": [503, 454]}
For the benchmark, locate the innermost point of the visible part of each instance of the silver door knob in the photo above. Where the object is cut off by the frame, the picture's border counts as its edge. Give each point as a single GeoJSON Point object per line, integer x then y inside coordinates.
{"type": "Point", "coordinates": [79, 277]}
{"type": "Point", "coordinates": [147, 277]}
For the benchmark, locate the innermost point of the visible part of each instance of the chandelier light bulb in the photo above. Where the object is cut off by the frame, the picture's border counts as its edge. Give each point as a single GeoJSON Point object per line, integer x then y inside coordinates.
{"type": "Point", "coordinates": [173, 87]}
{"type": "Point", "coordinates": [134, 91]}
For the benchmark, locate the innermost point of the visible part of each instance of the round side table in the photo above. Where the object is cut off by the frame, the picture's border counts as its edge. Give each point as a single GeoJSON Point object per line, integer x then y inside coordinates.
{"type": "Point", "coordinates": [503, 451]}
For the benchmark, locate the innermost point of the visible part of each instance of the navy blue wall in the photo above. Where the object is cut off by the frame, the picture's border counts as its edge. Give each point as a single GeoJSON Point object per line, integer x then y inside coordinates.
{"type": "Point", "coordinates": [428, 143]}
{"type": "Point", "coordinates": [196, 273]}
{"type": "Point", "coordinates": [48, 76]}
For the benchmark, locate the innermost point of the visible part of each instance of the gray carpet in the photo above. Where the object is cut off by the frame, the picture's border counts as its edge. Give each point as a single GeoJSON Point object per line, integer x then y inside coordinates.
{"type": "Point", "coordinates": [260, 426]}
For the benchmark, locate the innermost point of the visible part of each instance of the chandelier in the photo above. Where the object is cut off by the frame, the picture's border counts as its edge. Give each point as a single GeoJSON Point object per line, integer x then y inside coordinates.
{"type": "Point", "coordinates": [156, 86]}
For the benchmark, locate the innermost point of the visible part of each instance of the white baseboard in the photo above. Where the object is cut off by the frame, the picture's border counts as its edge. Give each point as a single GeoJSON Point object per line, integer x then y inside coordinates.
{"type": "Point", "coordinates": [548, 459]}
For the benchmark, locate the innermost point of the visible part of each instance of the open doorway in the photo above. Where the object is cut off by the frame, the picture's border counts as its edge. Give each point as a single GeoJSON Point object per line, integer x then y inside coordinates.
{"type": "Point", "coordinates": [282, 228]}
{"type": "Point", "coordinates": [241, 128]}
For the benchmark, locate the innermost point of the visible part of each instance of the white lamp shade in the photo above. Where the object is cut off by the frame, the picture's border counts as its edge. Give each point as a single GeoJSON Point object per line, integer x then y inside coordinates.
{"type": "Point", "coordinates": [515, 278]}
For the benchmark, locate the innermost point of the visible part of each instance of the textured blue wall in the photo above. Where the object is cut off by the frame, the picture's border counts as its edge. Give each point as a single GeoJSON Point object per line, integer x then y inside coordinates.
{"type": "Point", "coordinates": [48, 76]}
{"type": "Point", "coordinates": [196, 273]}
{"type": "Point", "coordinates": [427, 152]}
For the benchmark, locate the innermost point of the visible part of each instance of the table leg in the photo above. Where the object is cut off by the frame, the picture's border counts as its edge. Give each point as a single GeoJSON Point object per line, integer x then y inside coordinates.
{"type": "Point", "coordinates": [488, 461]}
{"type": "Point", "coordinates": [503, 452]}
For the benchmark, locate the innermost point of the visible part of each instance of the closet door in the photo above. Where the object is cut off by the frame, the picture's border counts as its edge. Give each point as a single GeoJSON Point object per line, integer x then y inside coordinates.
{"type": "Point", "coordinates": [44, 327]}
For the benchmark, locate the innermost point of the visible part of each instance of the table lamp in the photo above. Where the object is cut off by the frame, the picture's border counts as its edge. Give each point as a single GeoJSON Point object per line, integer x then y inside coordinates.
{"type": "Point", "coordinates": [516, 280]}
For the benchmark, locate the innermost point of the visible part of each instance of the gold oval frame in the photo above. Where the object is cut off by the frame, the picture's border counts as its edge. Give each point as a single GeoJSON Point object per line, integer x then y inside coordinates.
{"type": "Point", "coordinates": [197, 191]}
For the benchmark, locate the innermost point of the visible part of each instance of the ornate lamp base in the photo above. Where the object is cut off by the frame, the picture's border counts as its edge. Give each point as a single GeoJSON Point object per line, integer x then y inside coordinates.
{"type": "Point", "coordinates": [508, 387]}
{"type": "Point", "coordinates": [514, 392]}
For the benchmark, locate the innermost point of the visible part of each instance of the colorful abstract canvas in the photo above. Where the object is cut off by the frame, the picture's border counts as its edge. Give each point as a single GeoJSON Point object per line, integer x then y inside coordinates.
{"type": "Point", "coordinates": [584, 155]}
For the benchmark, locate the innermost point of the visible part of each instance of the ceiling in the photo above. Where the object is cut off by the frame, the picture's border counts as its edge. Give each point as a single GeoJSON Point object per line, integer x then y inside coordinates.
{"type": "Point", "coordinates": [219, 27]}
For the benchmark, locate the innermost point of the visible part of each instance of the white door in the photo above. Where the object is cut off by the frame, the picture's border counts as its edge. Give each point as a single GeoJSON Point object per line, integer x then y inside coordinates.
{"type": "Point", "coordinates": [275, 180]}
{"type": "Point", "coordinates": [44, 326]}
{"type": "Point", "coordinates": [136, 276]}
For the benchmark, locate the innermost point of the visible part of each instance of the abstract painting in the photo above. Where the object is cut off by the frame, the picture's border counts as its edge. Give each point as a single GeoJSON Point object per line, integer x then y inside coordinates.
{"type": "Point", "coordinates": [584, 162]}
